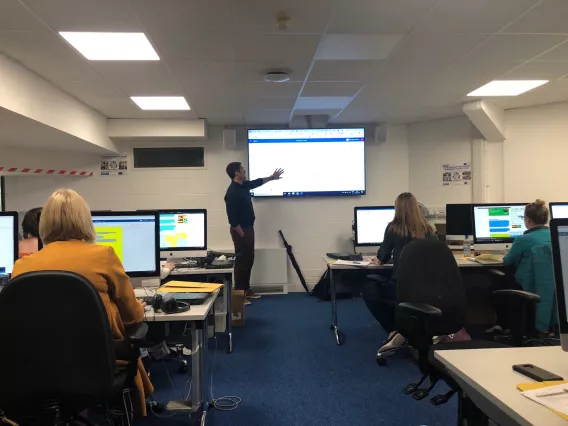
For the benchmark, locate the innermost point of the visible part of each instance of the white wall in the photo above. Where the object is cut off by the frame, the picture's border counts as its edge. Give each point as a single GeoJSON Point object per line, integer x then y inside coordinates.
{"type": "Point", "coordinates": [432, 144]}
{"type": "Point", "coordinates": [536, 153]}
{"type": "Point", "coordinates": [312, 226]}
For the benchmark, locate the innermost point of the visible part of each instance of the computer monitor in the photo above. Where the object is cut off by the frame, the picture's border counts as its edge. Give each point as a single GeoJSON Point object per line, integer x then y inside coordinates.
{"type": "Point", "coordinates": [559, 239]}
{"type": "Point", "coordinates": [370, 224]}
{"type": "Point", "coordinates": [183, 233]}
{"type": "Point", "coordinates": [134, 236]}
{"type": "Point", "coordinates": [558, 210]}
{"type": "Point", "coordinates": [8, 241]}
{"type": "Point", "coordinates": [495, 226]}
{"type": "Point", "coordinates": [458, 221]}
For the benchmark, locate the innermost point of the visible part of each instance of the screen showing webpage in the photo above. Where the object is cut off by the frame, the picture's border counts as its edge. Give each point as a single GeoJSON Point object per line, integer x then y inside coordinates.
{"type": "Point", "coordinates": [499, 222]}
{"type": "Point", "coordinates": [315, 161]}
{"type": "Point", "coordinates": [560, 211]}
{"type": "Point", "coordinates": [7, 244]}
{"type": "Point", "coordinates": [133, 239]}
{"type": "Point", "coordinates": [563, 246]}
{"type": "Point", "coordinates": [371, 225]}
{"type": "Point", "coordinates": [182, 230]}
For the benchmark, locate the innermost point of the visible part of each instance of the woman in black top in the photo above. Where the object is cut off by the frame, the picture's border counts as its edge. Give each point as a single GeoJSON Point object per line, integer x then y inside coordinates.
{"type": "Point", "coordinates": [408, 224]}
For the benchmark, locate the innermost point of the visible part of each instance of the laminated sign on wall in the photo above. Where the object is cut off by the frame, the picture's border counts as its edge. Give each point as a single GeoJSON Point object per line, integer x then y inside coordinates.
{"type": "Point", "coordinates": [456, 174]}
{"type": "Point", "coordinates": [114, 165]}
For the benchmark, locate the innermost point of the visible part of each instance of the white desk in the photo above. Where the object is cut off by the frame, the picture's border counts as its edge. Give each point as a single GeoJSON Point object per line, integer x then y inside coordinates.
{"type": "Point", "coordinates": [227, 274]}
{"type": "Point", "coordinates": [372, 267]}
{"type": "Point", "coordinates": [197, 318]}
{"type": "Point", "coordinates": [486, 376]}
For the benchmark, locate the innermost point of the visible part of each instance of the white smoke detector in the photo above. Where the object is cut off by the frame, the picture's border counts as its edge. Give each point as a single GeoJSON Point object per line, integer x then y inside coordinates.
{"type": "Point", "coordinates": [276, 77]}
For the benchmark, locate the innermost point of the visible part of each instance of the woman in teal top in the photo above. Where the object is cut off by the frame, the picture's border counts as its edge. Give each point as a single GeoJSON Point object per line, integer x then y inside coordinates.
{"type": "Point", "coordinates": [532, 258]}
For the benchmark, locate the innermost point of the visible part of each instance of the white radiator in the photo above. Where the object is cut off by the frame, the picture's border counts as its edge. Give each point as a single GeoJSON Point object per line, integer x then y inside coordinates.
{"type": "Point", "coordinates": [270, 271]}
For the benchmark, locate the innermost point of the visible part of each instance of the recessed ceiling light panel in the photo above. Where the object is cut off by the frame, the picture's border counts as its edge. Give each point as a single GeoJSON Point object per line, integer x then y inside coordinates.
{"type": "Point", "coordinates": [161, 103]}
{"type": "Point", "coordinates": [507, 87]}
{"type": "Point", "coordinates": [102, 46]}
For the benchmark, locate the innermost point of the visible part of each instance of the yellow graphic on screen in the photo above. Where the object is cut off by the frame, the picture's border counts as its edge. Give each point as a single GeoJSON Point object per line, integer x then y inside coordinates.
{"type": "Point", "coordinates": [173, 239]}
{"type": "Point", "coordinates": [112, 237]}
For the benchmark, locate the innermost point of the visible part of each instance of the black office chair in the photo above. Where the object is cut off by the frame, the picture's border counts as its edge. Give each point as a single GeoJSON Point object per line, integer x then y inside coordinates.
{"type": "Point", "coordinates": [431, 302]}
{"type": "Point", "coordinates": [57, 356]}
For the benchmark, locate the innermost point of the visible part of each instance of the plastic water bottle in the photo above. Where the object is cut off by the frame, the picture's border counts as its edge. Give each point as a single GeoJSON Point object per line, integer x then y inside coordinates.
{"type": "Point", "coordinates": [466, 247]}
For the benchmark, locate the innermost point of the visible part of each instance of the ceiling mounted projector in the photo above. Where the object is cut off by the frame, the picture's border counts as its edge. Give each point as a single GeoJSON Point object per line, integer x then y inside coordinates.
{"type": "Point", "coordinates": [276, 77]}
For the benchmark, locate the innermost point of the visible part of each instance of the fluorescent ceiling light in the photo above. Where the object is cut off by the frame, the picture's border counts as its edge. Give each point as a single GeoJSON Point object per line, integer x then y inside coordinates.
{"type": "Point", "coordinates": [507, 87]}
{"type": "Point", "coordinates": [161, 103]}
{"type": "Point", "coordinates": [112, 46]}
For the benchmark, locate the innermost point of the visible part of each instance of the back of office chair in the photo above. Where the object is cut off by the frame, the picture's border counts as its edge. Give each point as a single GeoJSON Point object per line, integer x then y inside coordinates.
{"type": "Point", "coordinates": [56, 342]}
{"type": "Point", "coordinates": [428, 274]}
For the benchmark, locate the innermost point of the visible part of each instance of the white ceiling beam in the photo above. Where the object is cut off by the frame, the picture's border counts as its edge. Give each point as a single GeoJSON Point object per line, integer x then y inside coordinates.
{"type": "Point", "coordinates": [157, 128]}
{"type": "Point", "coordinates": [29, 95]}
{"type": "Point", "coordinates": [487, 118]}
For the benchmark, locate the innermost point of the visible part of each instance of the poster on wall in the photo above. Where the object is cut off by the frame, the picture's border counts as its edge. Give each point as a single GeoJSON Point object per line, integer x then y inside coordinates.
{"type": "Point", "coordinates": [456, 174]}
{"type": "Point", "coordinates": [112, 165]}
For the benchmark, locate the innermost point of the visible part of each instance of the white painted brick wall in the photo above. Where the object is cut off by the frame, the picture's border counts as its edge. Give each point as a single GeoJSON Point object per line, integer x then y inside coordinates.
{"type": "Point", "coordinates": [312, 226]}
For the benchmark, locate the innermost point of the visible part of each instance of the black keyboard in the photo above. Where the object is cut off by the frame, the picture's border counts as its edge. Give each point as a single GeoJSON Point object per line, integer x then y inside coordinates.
{"type": "Point", "coordinates": [219, 266]}
{"type": "Point", "coordinates": [345, 256]}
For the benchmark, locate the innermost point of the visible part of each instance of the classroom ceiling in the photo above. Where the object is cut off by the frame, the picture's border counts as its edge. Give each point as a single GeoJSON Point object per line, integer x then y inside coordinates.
{"type": "Point", "coordinates": [358, 61]}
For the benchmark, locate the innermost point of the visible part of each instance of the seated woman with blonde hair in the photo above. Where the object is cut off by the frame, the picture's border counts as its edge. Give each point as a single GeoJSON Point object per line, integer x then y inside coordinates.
{"type": "Point", "coordinates": [68, 234]}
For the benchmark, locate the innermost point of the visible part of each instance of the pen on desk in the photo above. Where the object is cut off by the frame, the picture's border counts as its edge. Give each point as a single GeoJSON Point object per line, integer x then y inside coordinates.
{"type": "Point", "coordinates": [545, 395]}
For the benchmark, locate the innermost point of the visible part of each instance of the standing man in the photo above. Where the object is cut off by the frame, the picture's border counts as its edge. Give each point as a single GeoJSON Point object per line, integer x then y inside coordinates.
{"type": "Point", "coordinates": [241, 218]}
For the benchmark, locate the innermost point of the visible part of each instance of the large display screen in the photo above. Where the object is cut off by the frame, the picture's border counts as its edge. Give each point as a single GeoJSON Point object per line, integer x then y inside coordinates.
{"type": "Point", "coordinates": [498, 223]}
{"type": "Point", "coordinates": [183, 230]}
{"type": "Point", "coordinates": [315, 161]}
{"type": "Point", "coordinates": [371, 224]}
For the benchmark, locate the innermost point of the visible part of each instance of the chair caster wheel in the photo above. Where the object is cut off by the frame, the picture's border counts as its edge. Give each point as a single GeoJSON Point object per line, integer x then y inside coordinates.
{"type": "Point", "coordinates": [439, 400]}
{"type": "Point", "coordinates": [420, 394]}
{"type": "Point", "coordinates": [182, 367]}
{"type": "Point", "coordinates": [409, 389]}
{"type": "Point", "coordinates": [381, 360]}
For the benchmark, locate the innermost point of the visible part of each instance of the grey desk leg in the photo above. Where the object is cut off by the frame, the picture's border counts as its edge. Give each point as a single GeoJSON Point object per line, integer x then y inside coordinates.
{"type": "Point", "coordinates": [228, 285]}
{"type": "Point", "coordinates": [334, 326]}
{"type": "Point", "coordinates": [197, 405]}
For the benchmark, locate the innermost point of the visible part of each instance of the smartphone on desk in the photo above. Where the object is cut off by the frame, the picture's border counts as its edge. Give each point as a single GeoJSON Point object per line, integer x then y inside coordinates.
{"type": "Point", "coordinates": [536, 373]}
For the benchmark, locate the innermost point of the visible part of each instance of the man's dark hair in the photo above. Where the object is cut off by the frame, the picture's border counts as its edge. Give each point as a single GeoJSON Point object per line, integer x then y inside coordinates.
{"type": "Point", "coordinates": [233, 168]}
{"type": "Point", "coordinates": [30, 224]}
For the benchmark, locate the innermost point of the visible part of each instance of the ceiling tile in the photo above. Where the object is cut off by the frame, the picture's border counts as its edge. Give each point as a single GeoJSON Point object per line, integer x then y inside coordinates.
{"type": "Point", "coordinates": [276, 47]}
{"type": "Point", "coordinates": [372, 16]}
{"type": "Point", "coordinates": [274, 103]}
{"type": "Point", "coordinates": [356, 46]}
{"type": "Point", "coordinates": [207, 46]}
{"type": "Point", "coordinates": [555, 91]}
{"type": "Point", "coordinates": [518, 47]}
{"type": "Point", "coordinates": [331, 89]}
{"type": "Point", "coordinates": [323, 102]}
{"type": "Point", "coordinates": [183, 17]}
{"type": "Point", "coordinates": [549, 16]}
{"type": "Point", "coordinates": [478, 16]}
{"type": "Point", "coordinates": [86, 15]}
{"type": "Point", "coordinates": [260, 15]}
{"type": "Point", "coordinates": [146, 78]}
{"type": "Point", "coordinates": [14, 16]}
{"type": "Point", "coordinates": [536, 70]}
{"type": "Point", "coordinates": [343, 70]}
{"type": "Point", "coordinates": [558, 54]}
{"type": "Point", "coordinates": [271, 90]}
{"type": "Point", "coordinates": [255, 71]}
{"type": "Point", "coordinates": [328, 112]}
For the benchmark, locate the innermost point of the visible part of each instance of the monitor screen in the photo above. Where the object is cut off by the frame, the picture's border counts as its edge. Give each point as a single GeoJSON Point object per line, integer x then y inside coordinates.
{"type": "Point", "coordinates": [315, 161]}
{"type": "Point", "coordinates": [458, 220]}
{"type": "Point", "coordinates": [182, 230]}
{"type": "Point", "coordinates": [563, 257]}
{"type": "Point", "coordinates": [134, 238]}
{"type": "Point", "coordinates": [371, 223]}
{"type": "Point", "coordinates": [498, 222]}
{"type": "Point", "coordinates": [559, 210]}
{"type": "Point", "coordinates": [8, 241]}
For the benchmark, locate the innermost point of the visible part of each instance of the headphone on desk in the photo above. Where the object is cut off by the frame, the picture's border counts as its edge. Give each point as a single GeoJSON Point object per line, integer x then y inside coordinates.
{"type": "Point", "coordinates": [167, 304]}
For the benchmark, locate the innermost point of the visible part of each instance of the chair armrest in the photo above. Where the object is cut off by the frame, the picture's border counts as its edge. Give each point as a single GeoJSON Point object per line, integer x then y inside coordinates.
{"type": "Point", "coordinates": [497, 272]}
{"type": "Point", "coordinates": [136, 332]}
{"type": "Point", "coordinates": [523, 295]}
{"type": "Point", "coordinates": [421, 308]}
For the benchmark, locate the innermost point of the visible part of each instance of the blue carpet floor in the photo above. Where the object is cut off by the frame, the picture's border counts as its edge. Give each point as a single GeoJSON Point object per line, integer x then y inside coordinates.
{"type": "Point", "coordinates": [288, 371]}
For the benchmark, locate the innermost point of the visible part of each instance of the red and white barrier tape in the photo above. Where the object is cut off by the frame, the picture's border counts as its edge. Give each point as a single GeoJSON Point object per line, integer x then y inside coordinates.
{"type": "Point", "coordinates": [46, 171]}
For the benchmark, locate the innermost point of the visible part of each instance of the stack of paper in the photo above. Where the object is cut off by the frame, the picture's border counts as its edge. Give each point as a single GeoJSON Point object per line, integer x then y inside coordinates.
{"type": "Point", "coordinates": [553, 395]}
{"type": "Point", "coordinates": [361, 263]}
{"type": "Point", "coordinates": [188, 287]}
